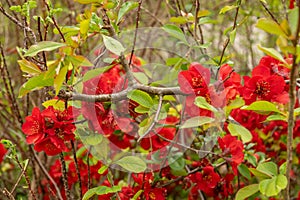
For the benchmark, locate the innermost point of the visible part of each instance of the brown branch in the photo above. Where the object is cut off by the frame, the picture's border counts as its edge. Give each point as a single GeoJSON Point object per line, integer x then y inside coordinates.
{"type": "Point", "coordinates": [18, 23]}
{"type": "Point", "coordinates": [136, 30]}
{"type": "Point", "coordinates": [233, 27]}
{"type": "Point", "coordinates": [77, 168]}
{"type": "Point", "coordinates": [64, 176]}
{"type": "Point", "coordinates": [120, 95]}
{"type": "Point", "coordinates": [291, 118]}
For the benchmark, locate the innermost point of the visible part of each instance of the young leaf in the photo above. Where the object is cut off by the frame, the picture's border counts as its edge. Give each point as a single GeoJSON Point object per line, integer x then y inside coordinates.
{"type": "Point", "coordinates": [175, 32]}
{"type": "Point", "coordinates": [202, 103]}
{"type": "Point", "coordinates": [60, 78]}
{"type": "Point", "coordinates": [126, 7]}
{"type": "Point", "coordinates": [197, 121]}
{"type": "Point", "coordinates": [141, 77]}
{"type": "Point", "coordinates": [176, 162]}
{"type": "Point", "coordinates": [276, 117]}
{"type": "Point", "coordinates": [113, 45]}
{"type": "Point", "coordinates": [89, 194]}
{"type": "Point", "coordinates": [238, 130]}
{"type": "Point", "coordinates": [243, 169]}
{"type": "Point", "coordinates": [35, 83]}
{"type": "Point", "coordinates": [43, 46]}
{"type": "Point", "coordinates": [141, 97]}
{"type": "Point", "coordinates": [259, 174]}
{"type": "Point", "coordinates": [132, 164]}
{"type": "Point", "coordinates": [29, 67]}
{"type": "Point", "coordinates": [262, 106]}
{"type": "Point", "coordinates": [268, 168]}
{"type": "Point", "coordinates": [79, 60]}
{"type": "Point", "coordinates": [102, 169]}
{"type": "Point", "coordinates": [226, 9]}
{"type": "Point", "coordinates": [270, 26]}
{"type": "Point", "coordinates": [106, 190]}
{"type": "Point", "coordinates": [273, 53]}
{"type": "Point", "coordinates": [56, 103]}
{"type": "Point", "coordinates": [88, 1]}
{"type": "Point", "coordinates": [246, 192]}
{"type": "Point", "coordinates": [95, 72]}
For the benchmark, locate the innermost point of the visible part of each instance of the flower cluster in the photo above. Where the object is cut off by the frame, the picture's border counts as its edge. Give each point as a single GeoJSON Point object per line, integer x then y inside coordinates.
{"type": "Point", "coordinates": [51, 129]}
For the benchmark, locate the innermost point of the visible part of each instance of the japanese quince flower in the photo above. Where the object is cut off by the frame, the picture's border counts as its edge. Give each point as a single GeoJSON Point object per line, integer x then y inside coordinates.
{"type": "Point", "coordinates": [195, 80]}
{"type": "Point", "coordinates": [232, 150]}
{"type": "Point", "coordinates": [50, 129]}
{"type": "Point", "coordinates": [264, 86]}
{"type": "Point", "coordinates": [206, 180]}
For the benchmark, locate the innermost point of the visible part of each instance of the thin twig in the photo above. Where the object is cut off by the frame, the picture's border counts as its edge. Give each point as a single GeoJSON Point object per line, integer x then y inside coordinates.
{"type": "Point", "coordinates": [77, 169]}
{"type": "Point", "coordinates": [136, 30]}
{"type": "Point", "coordinates": [291, 119]}
{"type": "Point", "coordinates": [64, 176]}
{"type": "Point", "coordinates": [18, 23]}
{"type": "Point", "coordinates": [233, 27]}
{"type": "Point", "coordinates": [41, 165]}
{"type": "Point", "coordinates": [26, 177]}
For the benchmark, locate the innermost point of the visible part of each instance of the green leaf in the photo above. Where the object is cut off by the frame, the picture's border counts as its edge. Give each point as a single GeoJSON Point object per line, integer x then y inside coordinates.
{"type": "Point", "coordinates": [282, 168]}
{"type": "Point", "coordinates": [275, 117]}
{"type": "Point", "coordinates": [269, 168]}
{"type": "Point", "coordinates": [132, 164]}
{"type": "Point", "coordinates": [293, 20]}
{"type": "Point", "coordinates": [56, 103]}
{"type": "Point", "coordinates": [126, 7]}
{"type": "Point", "coordinates": [281, 182]}
{"type": "Point", "coordinates": [141, 77]}
{"type": "Point", "coordinates": [297, 112]}
{"type": "Point", "coordinates": [141, 97]}
{"type": "Point", "coordinates": [84, 26]}
{"type": "Point", "coordinates": [88, 1]}
{"type": "Point", "coordinates": [226, 9]}
{"type": "Point", "coordinates": [243, 169]}
{"type": "Point", "coordinates": [113, 45]}
{"type": "Point", "coordinates": [89, 194]}
{"type": "Point", "coordinates": [141, 109]}
{"type": "Point", "coordinates": [203, 13]}
{"type": "Point", "coordinates": [238, 130]}
{"type": "Point", "coordinates": [236, 103]}
{"type": "Point", "coordinates": [35, 83]}
{"type": "Point", "coordinates": [101, 190]}
{"type": "Point", "coordinates": [246, 192]}
{"type": "Point", "coordinates": [202, 103]}
{"type": "Point", "coordinates": [29, 67]}
{"type": "Point", "coordinates": [273, 53]}
{"type": "Point", "coordinates": [60, 78]}
{"type": "Point", "coordinates": [232, 35]}
{"type": "Point", "coordinates": [175, 32]}
{"type": "Point", "coordinates": [262, 106]}
{"type": "Point", "coordinates": [259, 174]}
{"type": "Point", "coordinates": [179, 20]}
{"type": "Point", "coordinates": [176, 162]}
{"type": "Point", "coordinates": [102, 169]}
{"type": "Point", "coordinates": [197, 121]}
{"type": "Point", "coordinates": [79, 60]}
{"type": "Point", "coordinates": [95, 72]}
{"type": "Point", "coordinates": [137, 195]}
{"type": "Point", "coordinates": [43, 46]}
{"type": "Point", "coordinates": [270, 26]}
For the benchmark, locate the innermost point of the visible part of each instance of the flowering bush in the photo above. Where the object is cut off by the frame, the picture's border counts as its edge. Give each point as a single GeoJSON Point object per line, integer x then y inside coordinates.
{"type": "Point", "coordinates": [131, 125]}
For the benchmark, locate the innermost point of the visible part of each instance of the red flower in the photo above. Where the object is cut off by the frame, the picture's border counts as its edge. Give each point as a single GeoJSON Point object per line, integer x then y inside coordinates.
{"type": "Point", "coordinates": [232, 150]}
{"type": "Point", "coordinates": [292, 4]}
{"type": "Point", "coordinates": [206, 180]}
{"type": "Point", "coordinates": [3, 151]}
{"type": "Point", "coordinates": [195, 80]}
{"type": "Point", "coordinates": [154, 193]}
{"type": "Point", "coordinates": [34, 127]}
{"type": "Point", "coordinates": [50, 129]}
{"type": "Point", "coordinates": [264, 86]}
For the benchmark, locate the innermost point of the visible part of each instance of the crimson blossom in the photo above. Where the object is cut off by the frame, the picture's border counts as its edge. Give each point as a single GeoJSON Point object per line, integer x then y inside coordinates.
{"type": "Point", "coordinates": [232, 150]}
{"type": "Point", "coordinates": [50, 129]}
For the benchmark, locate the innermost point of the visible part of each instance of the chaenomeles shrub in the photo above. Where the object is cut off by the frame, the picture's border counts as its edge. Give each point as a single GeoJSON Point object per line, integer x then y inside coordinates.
{"type": "Point", "coordinates": [247, 148]}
